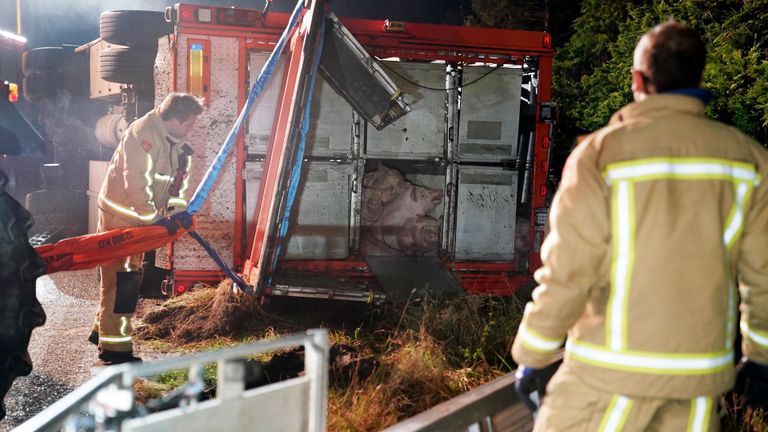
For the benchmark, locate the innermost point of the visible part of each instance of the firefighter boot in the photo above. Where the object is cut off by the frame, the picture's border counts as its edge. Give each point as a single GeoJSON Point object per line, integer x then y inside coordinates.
{"type": "Point", "coordinates": [109, 358]}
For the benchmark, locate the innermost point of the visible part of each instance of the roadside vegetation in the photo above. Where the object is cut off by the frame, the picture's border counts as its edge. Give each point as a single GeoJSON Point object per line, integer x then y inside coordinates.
{"type": "Point", "coordinates": [388, 363]}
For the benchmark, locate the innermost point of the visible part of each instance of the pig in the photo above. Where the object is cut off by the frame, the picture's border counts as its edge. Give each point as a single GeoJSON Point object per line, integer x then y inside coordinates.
{"type": "Point", "coordinates": [416, 201]}
{"type": "Point", "coordinates": [419, 236]}
{"type": "Point", "coordinates": [380, 187]}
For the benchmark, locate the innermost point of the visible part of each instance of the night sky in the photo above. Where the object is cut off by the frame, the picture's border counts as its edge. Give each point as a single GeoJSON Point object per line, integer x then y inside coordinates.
{"type": "Point", "coordinates": [56, 22]}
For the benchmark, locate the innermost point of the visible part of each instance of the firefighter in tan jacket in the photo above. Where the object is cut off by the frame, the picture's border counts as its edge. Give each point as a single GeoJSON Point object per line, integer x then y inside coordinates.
{"type": "Point", "coordinates": [147, 180]}
{"type": "Point", "coordinates": [661, 217]}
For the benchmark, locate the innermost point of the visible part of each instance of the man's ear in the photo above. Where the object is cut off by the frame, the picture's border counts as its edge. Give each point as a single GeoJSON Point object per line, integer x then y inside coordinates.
{"type": "Point", "coordinates": [640, 85]}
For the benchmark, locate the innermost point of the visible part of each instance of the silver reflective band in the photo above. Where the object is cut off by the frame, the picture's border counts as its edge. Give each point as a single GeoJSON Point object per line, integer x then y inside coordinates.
{"type": "Point", "coordinates": [760, 339]}
{"type": "Point", "coordinates": [681, 167]}
{"type": "Point", "coordinates": [735, 225]}
{"type": "Point", "coordinates": [701, 407]}
{"type": "Point", "coordinates": [617, 415]}
{"type": "Point", "coordinates": [674, 364]}
{"type": "Point", "coordinates": [114, 339]}
{"type": "Point", "coordinates": [127, 211]}
{"type": "Point", "coordinates": [162, 177]}
{"type": "Point", "coordinates": [621, 276]}
{"type": "Point", "coordinates": [537, 342]}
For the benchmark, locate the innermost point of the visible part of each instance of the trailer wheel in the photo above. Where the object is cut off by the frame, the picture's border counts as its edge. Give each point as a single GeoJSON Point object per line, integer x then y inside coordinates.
{"type": "Point", "coordinates": [133, 27]}
{"type": "Point", "coordinates": [127, 65]}
{"type": "Point", "coordinates": [38, 86]}
{"type": "Point", "coordinates": [43, 59]}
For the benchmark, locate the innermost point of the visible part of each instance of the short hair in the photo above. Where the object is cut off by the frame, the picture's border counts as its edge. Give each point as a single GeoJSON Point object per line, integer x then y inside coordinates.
{"type": "Point", "coordinates": [673, 56]}
{"type": "Point", "coordinates": [180, 106]}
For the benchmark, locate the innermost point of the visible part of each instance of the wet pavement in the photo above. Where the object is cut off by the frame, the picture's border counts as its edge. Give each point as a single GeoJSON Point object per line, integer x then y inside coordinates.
{"type": "Point", "coordinates": [63, 358]}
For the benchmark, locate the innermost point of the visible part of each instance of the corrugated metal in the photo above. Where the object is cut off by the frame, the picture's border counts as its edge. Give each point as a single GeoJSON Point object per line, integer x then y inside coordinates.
{"type": "Point", "coordinates": [486, 194]}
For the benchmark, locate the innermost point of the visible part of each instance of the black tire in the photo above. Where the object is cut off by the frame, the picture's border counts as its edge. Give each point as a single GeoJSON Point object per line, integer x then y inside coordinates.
{"type": "Point", "coordinates": [127, 65]}
{"type": "Point", "coordinates": [42, 60]}
{"type": "Point", "coordinates": [133, 27]}
{"type": "Point", "coordinates": [38, 86]}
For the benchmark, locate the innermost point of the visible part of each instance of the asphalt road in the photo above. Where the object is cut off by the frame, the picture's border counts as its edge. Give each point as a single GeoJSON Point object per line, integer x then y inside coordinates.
{"type": "Point", "coordinates": [63, 358]}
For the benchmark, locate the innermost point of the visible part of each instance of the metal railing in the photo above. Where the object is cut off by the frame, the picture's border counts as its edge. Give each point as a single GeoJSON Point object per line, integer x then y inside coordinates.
{"type": "Point", "coordinates": [490, 407]}
{"type": "Point", "coordinates": [107, 401]}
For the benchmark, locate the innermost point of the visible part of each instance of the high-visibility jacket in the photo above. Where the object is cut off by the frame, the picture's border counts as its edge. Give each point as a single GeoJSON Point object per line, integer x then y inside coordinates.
{"type": "Point", "coordinates": [148, 173]}
{"type": "Point", "coordinates": [658, 217]}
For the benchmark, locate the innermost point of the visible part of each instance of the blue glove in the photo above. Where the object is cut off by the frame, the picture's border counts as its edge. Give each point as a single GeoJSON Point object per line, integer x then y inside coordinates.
{"type": "Point", "coordinates": [182, 218]}
{"type": "Point", "coordinates": [528, 387]}
{"type": "Point", "coordinates": [169, 225]}
{"type": "Point", "coordinates": [174, 222]}
{"type": "Point", "coordinates": [752, 384]}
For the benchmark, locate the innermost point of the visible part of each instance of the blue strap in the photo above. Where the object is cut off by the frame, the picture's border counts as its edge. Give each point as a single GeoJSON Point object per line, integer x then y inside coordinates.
{"type": "Point", "coordinates": [296, 171]}
{"type": "Point", "coordinates": [239, 282]}
{"type": "Point", "coordinates": [205, 186]}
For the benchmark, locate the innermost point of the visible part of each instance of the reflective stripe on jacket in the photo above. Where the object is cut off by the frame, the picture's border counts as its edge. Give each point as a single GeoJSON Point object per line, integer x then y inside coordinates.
{"type": "Point", "coordinates": [142, 169]}
{"type": "Point", "coordinates": [657, 216]}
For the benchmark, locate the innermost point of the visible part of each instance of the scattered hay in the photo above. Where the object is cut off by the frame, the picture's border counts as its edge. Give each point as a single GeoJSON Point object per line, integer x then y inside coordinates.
{"type": "Point", "coordinates": [201, 314]}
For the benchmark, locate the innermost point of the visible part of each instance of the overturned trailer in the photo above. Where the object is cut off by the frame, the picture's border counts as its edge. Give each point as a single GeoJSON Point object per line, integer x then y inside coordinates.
{"type": "Point", "coordinates": [466, 112]}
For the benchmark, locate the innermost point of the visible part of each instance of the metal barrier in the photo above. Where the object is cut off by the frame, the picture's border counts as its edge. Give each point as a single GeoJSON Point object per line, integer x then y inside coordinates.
{"type": "Point", "coordinates": [106, 402]}
{"type": "Point", "coordinates": [490, 407]}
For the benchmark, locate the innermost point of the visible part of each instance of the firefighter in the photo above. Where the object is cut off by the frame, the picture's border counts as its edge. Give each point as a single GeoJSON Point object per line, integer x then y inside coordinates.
{"type": "Point", "coordinates": [658, 215]}
{"type": "Point", "coordinates": [146, 181]}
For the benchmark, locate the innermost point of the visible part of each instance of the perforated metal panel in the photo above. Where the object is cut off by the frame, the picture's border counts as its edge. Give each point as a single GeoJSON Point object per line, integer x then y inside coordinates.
{"type": "Point", "coordinates": [216, 219]}
{"type": "Point", "coordinates": [264, 109]}
{"type": "Point", "coordinates": [490, 113]}
{"type": "Point", "coordinates": [320, 223]}
{"type": "Point", "coordinates": [421, 132]}
{"type": "Point", "coordinates": [486, 195]}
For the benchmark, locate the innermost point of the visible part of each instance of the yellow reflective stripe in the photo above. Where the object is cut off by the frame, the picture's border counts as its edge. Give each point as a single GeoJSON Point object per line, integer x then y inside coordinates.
{"type": "Point", "coordinates": [621, 265]}
{"type": "Point", "coordinates": [129, 211]}
{"type": "Point", "coordinates": [758, 337]}
{"type": "Point", "coordinates": [701, 410]}
{"type": "Point", "coordinates": [650, 362]}
{"type": "Point", "coordinates": [536, 342]}
{"type": "Point", "coordinates": [730, 327]}
{"type": "Point", "coordinates": [123, 325]}
{"type": "Point", "coordinates": [735, 223]}
{"type": "Point", "coordinates": [148, 177]}
{"type": "Point", "coordinates": [114, 339]}
{"type": "Point", "coordinates": [616, 414]}
{"type": "Point", "coordinates": [682, 169]}
{"type": "Point", "coordinates": [177, 201]}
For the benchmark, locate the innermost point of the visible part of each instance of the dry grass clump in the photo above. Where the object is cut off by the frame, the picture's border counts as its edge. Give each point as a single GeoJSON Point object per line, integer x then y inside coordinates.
{"type": "Point", "coordinates": [201, 314]}
{"type": "Point", "coordinates": [433, 350]}
{"type": "Point", "coordinates": [741, 418]}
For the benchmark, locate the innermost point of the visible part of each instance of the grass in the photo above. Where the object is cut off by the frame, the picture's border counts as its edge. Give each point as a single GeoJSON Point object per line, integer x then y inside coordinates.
{"type": "Point", "coordinates": [425, 352]}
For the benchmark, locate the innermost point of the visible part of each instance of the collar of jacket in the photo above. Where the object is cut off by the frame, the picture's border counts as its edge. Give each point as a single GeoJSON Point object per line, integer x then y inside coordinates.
{"type": "Point", "coordinates": [660, 105]}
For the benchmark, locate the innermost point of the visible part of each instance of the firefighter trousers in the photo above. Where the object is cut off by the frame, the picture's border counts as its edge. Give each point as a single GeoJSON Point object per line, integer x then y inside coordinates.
{"type": "Point", "coordinates": [572, 405]}
{"type": "Point", "coordinates": [118, 294]}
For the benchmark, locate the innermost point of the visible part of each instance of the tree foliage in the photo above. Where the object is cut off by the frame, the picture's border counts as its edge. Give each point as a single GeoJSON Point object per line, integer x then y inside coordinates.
{"type": "Point", "coordinates": [592, 77]}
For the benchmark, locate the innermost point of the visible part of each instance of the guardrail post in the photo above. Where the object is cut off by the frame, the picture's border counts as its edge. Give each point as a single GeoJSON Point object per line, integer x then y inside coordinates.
{"type": "Point", "coordinates": [231, 379]}
{"type": "Point", "coordinates": [316, 368]}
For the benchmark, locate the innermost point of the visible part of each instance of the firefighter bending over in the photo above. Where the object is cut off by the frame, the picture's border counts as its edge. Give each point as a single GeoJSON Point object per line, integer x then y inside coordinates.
{"type": "Point", "coordinates": [147, 180]}
{"type": "Point", "coordinates": [658, 214]}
